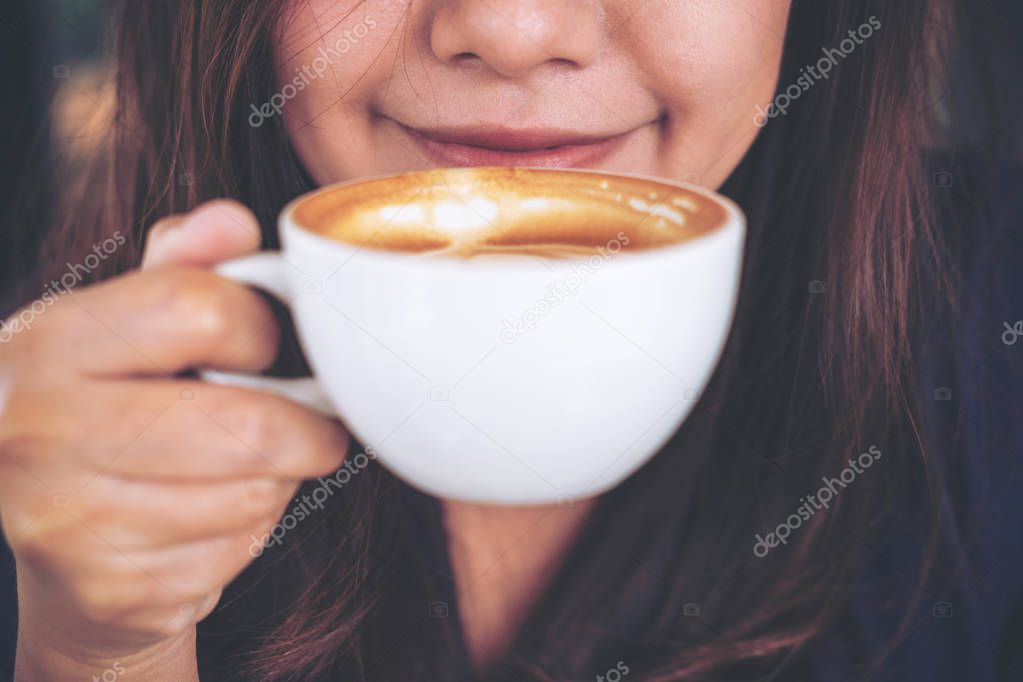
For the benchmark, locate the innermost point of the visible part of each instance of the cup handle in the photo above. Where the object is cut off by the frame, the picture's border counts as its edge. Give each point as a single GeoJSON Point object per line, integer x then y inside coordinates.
{"type": "Point", "coordinates": [267, 271]}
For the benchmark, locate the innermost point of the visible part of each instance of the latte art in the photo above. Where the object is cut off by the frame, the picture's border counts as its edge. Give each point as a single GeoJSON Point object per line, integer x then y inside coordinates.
{"type": "Point", "coordinates": [475, 211]}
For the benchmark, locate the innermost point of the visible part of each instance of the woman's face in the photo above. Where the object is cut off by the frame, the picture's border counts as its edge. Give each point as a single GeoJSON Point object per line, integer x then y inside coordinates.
{"type": "Point", "coordinates": [660, 87]}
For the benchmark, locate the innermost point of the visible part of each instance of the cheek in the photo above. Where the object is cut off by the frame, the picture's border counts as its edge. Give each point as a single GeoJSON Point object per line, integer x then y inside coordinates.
{"type": "Point", "coordinates": [709, 56]}
{"type": "Point", "coordinates": [334, 52]}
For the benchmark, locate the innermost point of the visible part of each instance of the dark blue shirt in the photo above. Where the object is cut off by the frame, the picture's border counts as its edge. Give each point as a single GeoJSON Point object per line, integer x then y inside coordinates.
{"type": "Point", "coordinates": [968, 623]}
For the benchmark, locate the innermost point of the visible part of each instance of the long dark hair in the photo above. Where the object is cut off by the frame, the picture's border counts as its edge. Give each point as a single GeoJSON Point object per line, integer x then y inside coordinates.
{"type": "Point", "coordinates": [844, 261]}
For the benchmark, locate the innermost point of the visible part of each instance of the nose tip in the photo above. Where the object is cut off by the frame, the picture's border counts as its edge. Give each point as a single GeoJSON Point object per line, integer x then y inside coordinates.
{"type": "Point", "coordinates": [513, 37]}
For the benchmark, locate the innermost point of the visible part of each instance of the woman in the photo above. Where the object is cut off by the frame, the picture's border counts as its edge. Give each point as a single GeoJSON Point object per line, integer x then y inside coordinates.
{"type": "Point", "coordinates": [874, 289]}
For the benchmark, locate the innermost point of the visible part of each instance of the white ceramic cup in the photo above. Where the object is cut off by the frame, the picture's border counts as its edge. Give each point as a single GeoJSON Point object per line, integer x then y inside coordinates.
{"type": "Point", "coordinates": [505, 379]}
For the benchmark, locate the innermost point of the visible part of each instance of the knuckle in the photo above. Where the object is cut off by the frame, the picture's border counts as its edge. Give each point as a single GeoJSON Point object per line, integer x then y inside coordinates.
{"type": "Point", "coordinates": [161, 227]}
{"type": "Point", "coordinates": [41, 540]}
{"type": "Point", "coordinates": [259, 499]}
{"type": "Point", "coordinates": [201, 301]}
{"type": "Point", "coordinates": [29, 548]}
{"type": "Point", "coordinates": [10, 341]}
{"type": "Point", "coordinates": [107, 602]}
{"type": "Point", "coordinates": [254, 419]}
{"type": "Point", "coordinates": [22, 345]}
{"type": "Point", "coordinates": [306, 460]}
{"type": "Point", "coordinates": [186, 585]}
{"type": "Point", "coordinates": [181, 615]}
{"type": "Point", "coordinates": [279, 434]}
{"type": "Point", "coordinates": [326, 461]}
{"type": "Point", "coordinates": [156, 239]}
{"type": "Point", "coordinates": [173, 628]}
{"type": "Point", "coordinates": [322, 447]}
{"type": "Point", "coordinates": [15, 416]}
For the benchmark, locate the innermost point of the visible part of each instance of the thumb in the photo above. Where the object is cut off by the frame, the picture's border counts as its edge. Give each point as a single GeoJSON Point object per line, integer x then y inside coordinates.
{"type": "Point", "coordinates": [213, 232]}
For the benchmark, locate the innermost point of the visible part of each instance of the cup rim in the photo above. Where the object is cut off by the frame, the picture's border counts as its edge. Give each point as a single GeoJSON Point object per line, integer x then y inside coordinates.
{"type": "Point", "coordinates": [735, 221]}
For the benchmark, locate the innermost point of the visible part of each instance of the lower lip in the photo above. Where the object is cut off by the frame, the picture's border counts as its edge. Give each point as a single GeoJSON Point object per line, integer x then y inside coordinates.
{"type": "Point", "coordinates": [569, 156]}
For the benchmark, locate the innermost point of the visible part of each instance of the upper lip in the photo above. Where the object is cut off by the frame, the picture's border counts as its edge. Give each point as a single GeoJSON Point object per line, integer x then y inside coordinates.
{"type": "Point", "coordinates": [511, 139]}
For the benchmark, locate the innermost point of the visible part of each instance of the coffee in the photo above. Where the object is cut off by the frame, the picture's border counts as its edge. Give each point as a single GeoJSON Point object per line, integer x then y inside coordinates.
{"type": "Point", "coordinates": [467, 212]}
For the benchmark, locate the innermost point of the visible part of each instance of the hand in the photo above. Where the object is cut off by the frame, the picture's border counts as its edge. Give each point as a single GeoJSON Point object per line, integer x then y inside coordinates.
{"type": "Point", "coordinates": [129, 496]}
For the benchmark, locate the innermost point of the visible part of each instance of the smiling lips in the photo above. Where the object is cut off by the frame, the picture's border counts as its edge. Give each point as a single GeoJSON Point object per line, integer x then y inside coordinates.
{"type": "Point", "coordinates": [514, 147]}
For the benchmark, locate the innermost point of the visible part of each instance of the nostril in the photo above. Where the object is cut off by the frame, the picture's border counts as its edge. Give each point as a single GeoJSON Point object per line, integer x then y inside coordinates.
{"type": "Point", "coordinates": [523, 35]}
{"type": "Point", "coordinates": [564, 62]}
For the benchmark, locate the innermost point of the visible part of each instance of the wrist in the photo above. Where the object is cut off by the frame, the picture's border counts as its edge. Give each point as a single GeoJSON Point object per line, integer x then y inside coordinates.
{"type": "Point", "coordinates": [39, 658]}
